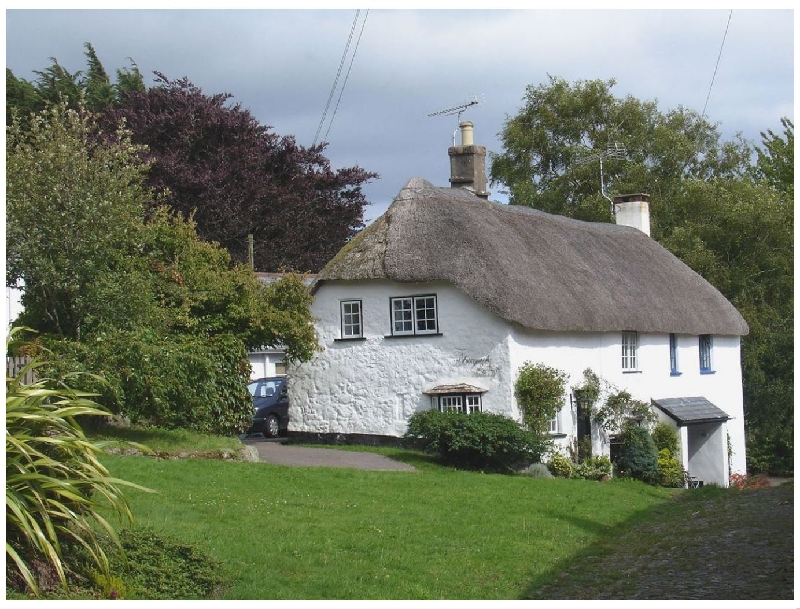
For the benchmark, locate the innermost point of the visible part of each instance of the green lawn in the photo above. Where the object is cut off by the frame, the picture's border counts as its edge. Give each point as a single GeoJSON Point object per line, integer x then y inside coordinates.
{"type": "Point", "coordinates": [324, 533]}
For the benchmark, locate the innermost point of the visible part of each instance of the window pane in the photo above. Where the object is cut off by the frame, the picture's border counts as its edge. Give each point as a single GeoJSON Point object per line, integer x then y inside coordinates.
{"type": "Point", "coordinates": [402, 316]}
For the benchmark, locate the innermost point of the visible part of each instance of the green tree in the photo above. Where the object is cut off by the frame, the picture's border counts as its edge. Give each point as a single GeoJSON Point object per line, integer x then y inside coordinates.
{"type": "Point", "coordinates": [99, 92]}
{"type": "Point", "coordinates": [552, 149]}
{"type": "Point", "coordinates": [75, 208]}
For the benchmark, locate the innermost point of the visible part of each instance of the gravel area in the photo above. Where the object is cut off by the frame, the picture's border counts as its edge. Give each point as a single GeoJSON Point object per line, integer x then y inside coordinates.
{"type": "Point", "coordinates": [739, 546]}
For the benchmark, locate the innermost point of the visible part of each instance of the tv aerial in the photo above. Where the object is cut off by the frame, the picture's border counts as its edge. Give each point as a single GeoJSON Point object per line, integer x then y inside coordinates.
{"type": "Point", "coordinates": [616, 151]}
{"type": "Point", "coordinates": [457, 110]}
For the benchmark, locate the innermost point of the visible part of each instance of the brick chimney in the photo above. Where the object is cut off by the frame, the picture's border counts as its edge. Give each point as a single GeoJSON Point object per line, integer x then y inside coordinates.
{"type": "Point", "coordinates": [633, 210]}
{"type": "Point", "coordinates": [468, 163]}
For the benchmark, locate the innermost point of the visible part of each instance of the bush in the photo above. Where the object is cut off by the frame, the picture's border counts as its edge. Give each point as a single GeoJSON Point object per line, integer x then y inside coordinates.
{"type": "Point", "coordinates": [480, 440]}
{"type": "Point", "coordinates": [182, 381]}
{"type": "Point", "coordinates": [593, 468]}
{"type": "Point", "coordinates": [771, 451]}
{"type": "Point", "coordinates": [57, 492]}
{"type": "Point", "coordinates": [539, 390]}
{"type": "Point", "coordinates": [742, 481]}
{"type": "Point", "coordinates": [665, 437]}
{"type": "Point", "coordinates": [560, 466]}
{"type": "Point", "coordinates": [159, 567]}
{"type": "Point", "coordinates": [670, 472]}
{"type": "Point", "coordinates": [638, 457]}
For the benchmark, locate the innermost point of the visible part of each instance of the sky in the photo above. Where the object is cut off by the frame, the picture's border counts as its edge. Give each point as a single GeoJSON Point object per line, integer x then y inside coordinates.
{"type": "Point", "coordinates": [403, 65]}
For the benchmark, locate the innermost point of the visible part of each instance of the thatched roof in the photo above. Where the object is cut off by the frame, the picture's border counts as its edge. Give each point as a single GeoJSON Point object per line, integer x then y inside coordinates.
{"type": "Point", "coordinates": [539, 270]}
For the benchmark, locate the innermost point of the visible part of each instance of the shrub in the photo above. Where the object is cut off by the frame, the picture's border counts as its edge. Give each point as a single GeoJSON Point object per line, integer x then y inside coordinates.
{"type": "Point", "coordinates": [57, 492]}
{"type": "Point", "coordinates": [540, 394]}
{"type": "Point", "coordinates": [480, 440]}
{"type": "Point", "coordinates": [743, 481]}
{"type": "Point", "coordinates": [537, 470]}
{"type": "Point", "coordinates": [181, 381]}
{"type": "Point", "coordinates": [670, 472]}
{"type": "Point", "coordinates": [638, 457]}
{"type": "Point", "coordinates": [560, 466]}
{"type": "Point", "coordinates": [665, 437]}
{"type": "Point", "coordinates": [593, 468]}
{"type": "Point", "coordinates": [158, 567]}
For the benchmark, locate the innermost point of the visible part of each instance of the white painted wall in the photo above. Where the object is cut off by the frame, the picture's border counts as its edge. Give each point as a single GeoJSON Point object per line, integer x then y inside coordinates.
{"type": "Point", "coordinates": [373, 386]}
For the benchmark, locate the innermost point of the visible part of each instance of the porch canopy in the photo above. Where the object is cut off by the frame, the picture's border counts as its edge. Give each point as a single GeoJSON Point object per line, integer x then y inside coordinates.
{"type": "Point", "coordinates": [691, 411]}
{"type": "Point", "coordinates": [458, 388]}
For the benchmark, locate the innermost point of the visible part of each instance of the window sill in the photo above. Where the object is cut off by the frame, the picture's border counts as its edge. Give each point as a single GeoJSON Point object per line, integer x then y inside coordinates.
{"type": "Point", "coordinates": [675, 373]}
{"type": "Point", "coordinates": [413, 335]}
{"type": "Point", "coordinates": [708, 371]}
{"type": "Point", "coordinates": [344, 340]}
{"type": "Point", "coordinates": [556, 434]}
{"type": "Point", "coordinates": [631, 372]}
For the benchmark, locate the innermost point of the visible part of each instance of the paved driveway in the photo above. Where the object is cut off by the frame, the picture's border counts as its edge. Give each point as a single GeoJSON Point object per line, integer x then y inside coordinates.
{"type": "Point", "coordinates": [271, 451]}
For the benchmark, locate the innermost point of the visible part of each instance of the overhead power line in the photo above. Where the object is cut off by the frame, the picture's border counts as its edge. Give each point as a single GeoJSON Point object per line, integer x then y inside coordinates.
{"type": "Point", "coordinates": [722, 46]}
{"type": "Point", "coordinates": [346, 76]}
{"type": "Point", "coordinates": [339, 73]}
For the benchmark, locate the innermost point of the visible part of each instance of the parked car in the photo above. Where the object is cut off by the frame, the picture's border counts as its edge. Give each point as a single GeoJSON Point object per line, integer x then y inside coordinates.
{"type": "Point", "coordinates": [270, 406]}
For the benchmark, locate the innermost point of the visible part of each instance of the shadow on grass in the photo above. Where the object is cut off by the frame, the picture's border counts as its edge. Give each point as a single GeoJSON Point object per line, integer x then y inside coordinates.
{"type": "Point", "coordinates": [575, 576]}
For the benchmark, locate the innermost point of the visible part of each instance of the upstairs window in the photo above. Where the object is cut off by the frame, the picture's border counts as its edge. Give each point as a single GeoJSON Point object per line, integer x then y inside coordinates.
{"type": "Point", "coordinates": [351, 319]}
{"type": "Point", "coordinates": [673, 355]}
{"type": "Point", "coordinates": [414, 315]}
{"type": "Point", "coordinates": [705, 354]}
{"type": "Point", "coordinates": [630, 345]}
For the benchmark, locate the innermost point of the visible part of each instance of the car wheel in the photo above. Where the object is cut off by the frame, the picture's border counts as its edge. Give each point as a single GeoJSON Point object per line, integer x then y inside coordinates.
{"type": "Point", "coordinates": [271, 426]}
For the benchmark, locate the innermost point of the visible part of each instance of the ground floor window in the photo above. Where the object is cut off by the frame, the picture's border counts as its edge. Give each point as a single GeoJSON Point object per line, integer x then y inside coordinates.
{"type": "Point", "coordinates": [458, 402]}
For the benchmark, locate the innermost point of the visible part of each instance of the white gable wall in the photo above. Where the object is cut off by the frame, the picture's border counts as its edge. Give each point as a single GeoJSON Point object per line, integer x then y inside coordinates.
{"type": "Point", "coordinates": [373, 386]}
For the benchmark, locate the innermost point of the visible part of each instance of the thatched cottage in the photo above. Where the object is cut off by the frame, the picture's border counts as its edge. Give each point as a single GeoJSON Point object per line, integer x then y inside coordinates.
{"type": "Point", "coordinates": [441, 300]}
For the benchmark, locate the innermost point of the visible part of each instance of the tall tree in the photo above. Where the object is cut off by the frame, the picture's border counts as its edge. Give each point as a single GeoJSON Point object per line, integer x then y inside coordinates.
{"type": "Point", "coordinates": [553, 147]}
{"type": "Point", "coordinates": [97, 87]}
{"type": "Point", "coordinates": [238, 178]}
{"type": "Point", "coordinates": [74, 212]}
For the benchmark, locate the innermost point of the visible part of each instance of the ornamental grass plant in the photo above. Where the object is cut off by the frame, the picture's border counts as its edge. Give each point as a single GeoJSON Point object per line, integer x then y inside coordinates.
{"type": "Point", "coordinates": [58, 493]}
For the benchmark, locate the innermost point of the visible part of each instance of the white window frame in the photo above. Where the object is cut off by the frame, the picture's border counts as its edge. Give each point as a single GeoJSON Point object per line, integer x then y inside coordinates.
{"type": "Point", "coordinates": [459, 402]}
{"type": "Point", "coordinates": [350, 328]}
{"type": "Point", "coordinates": [630, 351]}
{"type": "Point", "coordinates": [552, 425]}
{"type": "Point", "coordinates": [705, 344]}
{"type": "Point", "coordinates": [413, 312]}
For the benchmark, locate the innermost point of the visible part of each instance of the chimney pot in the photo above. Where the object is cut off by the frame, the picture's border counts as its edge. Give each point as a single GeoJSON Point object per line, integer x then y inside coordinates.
{"type": "Point", "coordinates": [467, 133]}
{"type": "Point", "coordinates": [633, 210]}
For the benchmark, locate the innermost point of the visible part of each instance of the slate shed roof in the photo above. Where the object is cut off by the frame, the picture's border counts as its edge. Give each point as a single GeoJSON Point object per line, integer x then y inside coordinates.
{"type": "Point", "coordinates": [689, 411]}
{"type": "Point", "coordinates": [543, 271]}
